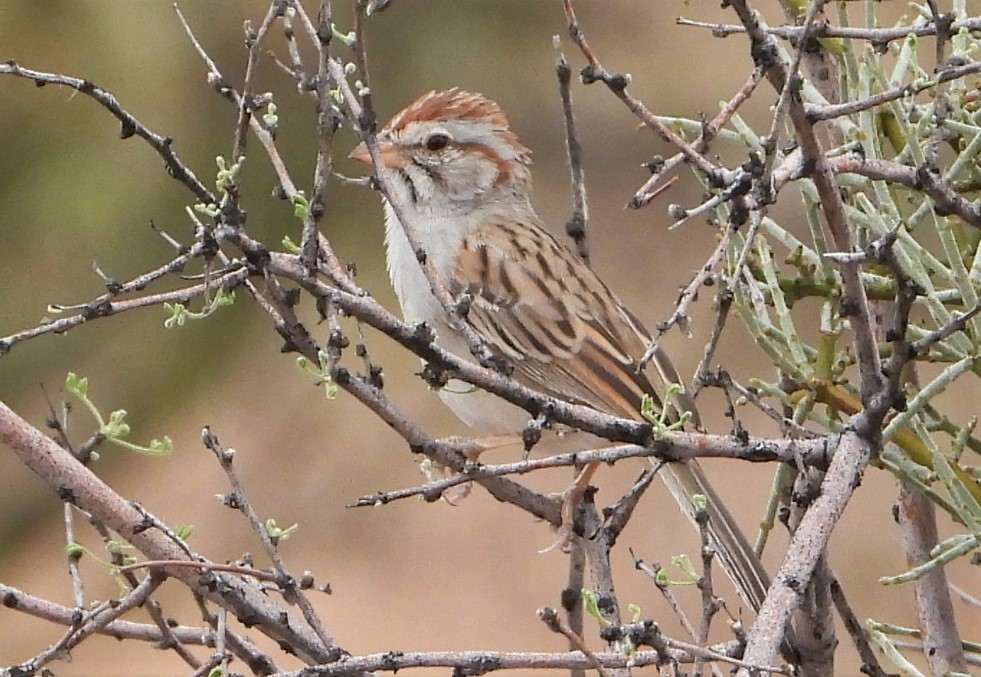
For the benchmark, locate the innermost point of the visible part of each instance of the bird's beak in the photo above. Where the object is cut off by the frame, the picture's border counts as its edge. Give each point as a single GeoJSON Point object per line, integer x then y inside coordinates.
{"type": "Point", "coordinates": [361, 154]}
{"type": "Point", "coordinates": [391, 157]}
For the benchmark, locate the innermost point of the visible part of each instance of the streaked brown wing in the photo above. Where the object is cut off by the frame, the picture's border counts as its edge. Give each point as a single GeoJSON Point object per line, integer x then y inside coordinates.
{"type": "Point", "coordinates": [564, 331]}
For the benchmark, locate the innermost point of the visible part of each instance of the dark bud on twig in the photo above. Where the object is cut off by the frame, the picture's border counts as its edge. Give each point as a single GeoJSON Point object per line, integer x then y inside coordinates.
{"type": "Point", "coordinates": [375, 376]}
{"type": "Point", "coordinates": [324, 34]}
{"type": "Point", "coordinates": [754, 165]}
{"type": "Point", "coordinates": [307, 84]}
{"type": "Point", "coordinates": [588, 75]}
{"type": "Point", "coordinates": [618, 81]}
{"type": "Point", "coordinates": [323, 307]}
{"type": "Point", "coordinates": [341, 375]}
{"type": "Point", "coordinates": [219, 84]}
{"type": "Point", "coordinates": [337, 340]}
{"type": "Point", "coordinates": [606, 603]}
{"type": "Point", "coordinates": [126, 129]}
{"type": "Point", "coordinates": [531, 435]}
{"type": "Point", "coordinates": [434, 376]}
{"type": "Point", "coordinates": [715, 179]}
{"type": "Point", "coordinates": [230, 501]}
{"type": "Point", "coordinates": [424, 333]}
{"type": "Point", "coordinates": [462, 305]}
{"type": "Point", "coordinates": [317, 207]}
{"type": "Point", "coordinates": [291, 297]}
{"type": "Point", "coordinates": [250, 34]}
{"type": "Point", "coordinates": [367, 122]}
{"type": "Point", "coordinates": [739, 214]}
{"type": "Point", "coordinates": [97, 309]}
{"type": "Point", "coordinates": [655, 165]}
{"type": "Point", "coordinates": [570, 598]}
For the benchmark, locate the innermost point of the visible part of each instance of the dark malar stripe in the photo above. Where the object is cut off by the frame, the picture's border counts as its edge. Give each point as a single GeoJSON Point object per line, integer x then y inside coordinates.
{"type": "Point", "coordinates": [404, 175]}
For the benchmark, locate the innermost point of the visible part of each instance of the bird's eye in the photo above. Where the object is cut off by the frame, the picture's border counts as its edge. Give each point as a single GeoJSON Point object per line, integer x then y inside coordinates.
{"type": "Point", "coordinates": [437, 142]}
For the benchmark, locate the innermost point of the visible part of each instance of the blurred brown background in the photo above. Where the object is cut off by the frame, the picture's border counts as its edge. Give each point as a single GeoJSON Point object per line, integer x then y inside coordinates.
{"type": "Point", "coordinates": [408, 576]}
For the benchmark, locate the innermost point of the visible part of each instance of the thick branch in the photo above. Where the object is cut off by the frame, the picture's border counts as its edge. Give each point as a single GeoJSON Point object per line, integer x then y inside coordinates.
{"type": "Point", "coordinates": [75, 483]}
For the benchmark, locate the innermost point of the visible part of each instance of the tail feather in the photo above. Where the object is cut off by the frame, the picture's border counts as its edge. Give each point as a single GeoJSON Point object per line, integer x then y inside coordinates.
{"type": "Point", "coordinates": [684, 480]}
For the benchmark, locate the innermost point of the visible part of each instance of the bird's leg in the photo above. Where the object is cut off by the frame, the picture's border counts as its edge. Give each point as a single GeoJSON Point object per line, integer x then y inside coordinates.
{"type": "Point", "coordinates": [571, 498]}
{"type": "Point", "coordinates": [471, 449]}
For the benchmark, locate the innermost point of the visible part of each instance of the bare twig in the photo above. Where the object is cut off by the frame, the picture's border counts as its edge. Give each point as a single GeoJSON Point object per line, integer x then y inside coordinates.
{"type": "Point", "coordinates": [572, 596]}
{"type": "Point", "coordinates": [649, 190]}
{"type": "Point", "coordinates": [817, 113]}
{"type": "Point", "coordinates": [577, 224]}
{"type": "Point", "coordinates": [286, 582]}
{"type": "Point", "coordinates": [870, 662]}
{"type": "Point", "coordinates": [877, 36]}
{"type": "Point", "coordinates": [103, 307]}
{"type": "Point", "coordinates": [130, 126]}
{"type": "Point", "coordinates": [676, 446]}
{"type": "Point", "coordinates": [89, 623]}
{"type": "Point", "coordinates": [550, 617]}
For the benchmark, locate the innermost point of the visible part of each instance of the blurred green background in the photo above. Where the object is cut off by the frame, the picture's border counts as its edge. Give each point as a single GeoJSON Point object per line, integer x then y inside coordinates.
{"type": "Point", "coordinates": [408, 576]}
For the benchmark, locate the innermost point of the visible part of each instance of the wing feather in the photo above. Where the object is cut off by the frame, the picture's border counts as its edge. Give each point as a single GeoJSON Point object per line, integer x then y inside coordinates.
{"type": "Point", "coordinates": [563, 330]}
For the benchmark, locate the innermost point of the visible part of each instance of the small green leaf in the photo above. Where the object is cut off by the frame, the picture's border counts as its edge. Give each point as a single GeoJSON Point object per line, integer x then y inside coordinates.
{"type": "Point", "coordinates": [278, 533]}
{"type": "Point", "coordinates": [161, 447]}
{"type": "Point", "coordinates": [347, 38]}
{"type": "Point", "coordinates": [590, 606]}
{"type": "Point", "coordinates": [77, 386]}
{"type": "Point", "coordinates": [683, 562]}
{"type": "Point", "coordinates": [301, 206]}
{"type": "Point", "coordinates": [178, 315]}
{"type": "Point", "coordinates": [270, 118]}
{"type": "Point", "coordinates": [211, 210]}
{"type": "Point", "coordinates": [115, 547]}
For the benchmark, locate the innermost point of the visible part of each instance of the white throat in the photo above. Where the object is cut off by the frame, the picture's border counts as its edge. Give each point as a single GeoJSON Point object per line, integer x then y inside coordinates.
{"type": "Point", "coordinates": [440, 236]}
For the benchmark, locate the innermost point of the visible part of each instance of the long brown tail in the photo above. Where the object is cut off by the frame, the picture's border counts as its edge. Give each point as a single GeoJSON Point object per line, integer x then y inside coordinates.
{"type": "Point", "coordinates": [684, 480]}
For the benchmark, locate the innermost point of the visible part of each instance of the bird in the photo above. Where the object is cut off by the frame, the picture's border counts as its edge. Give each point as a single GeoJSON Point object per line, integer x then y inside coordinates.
{"type": "Point", "coordinates": [538, 306]}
